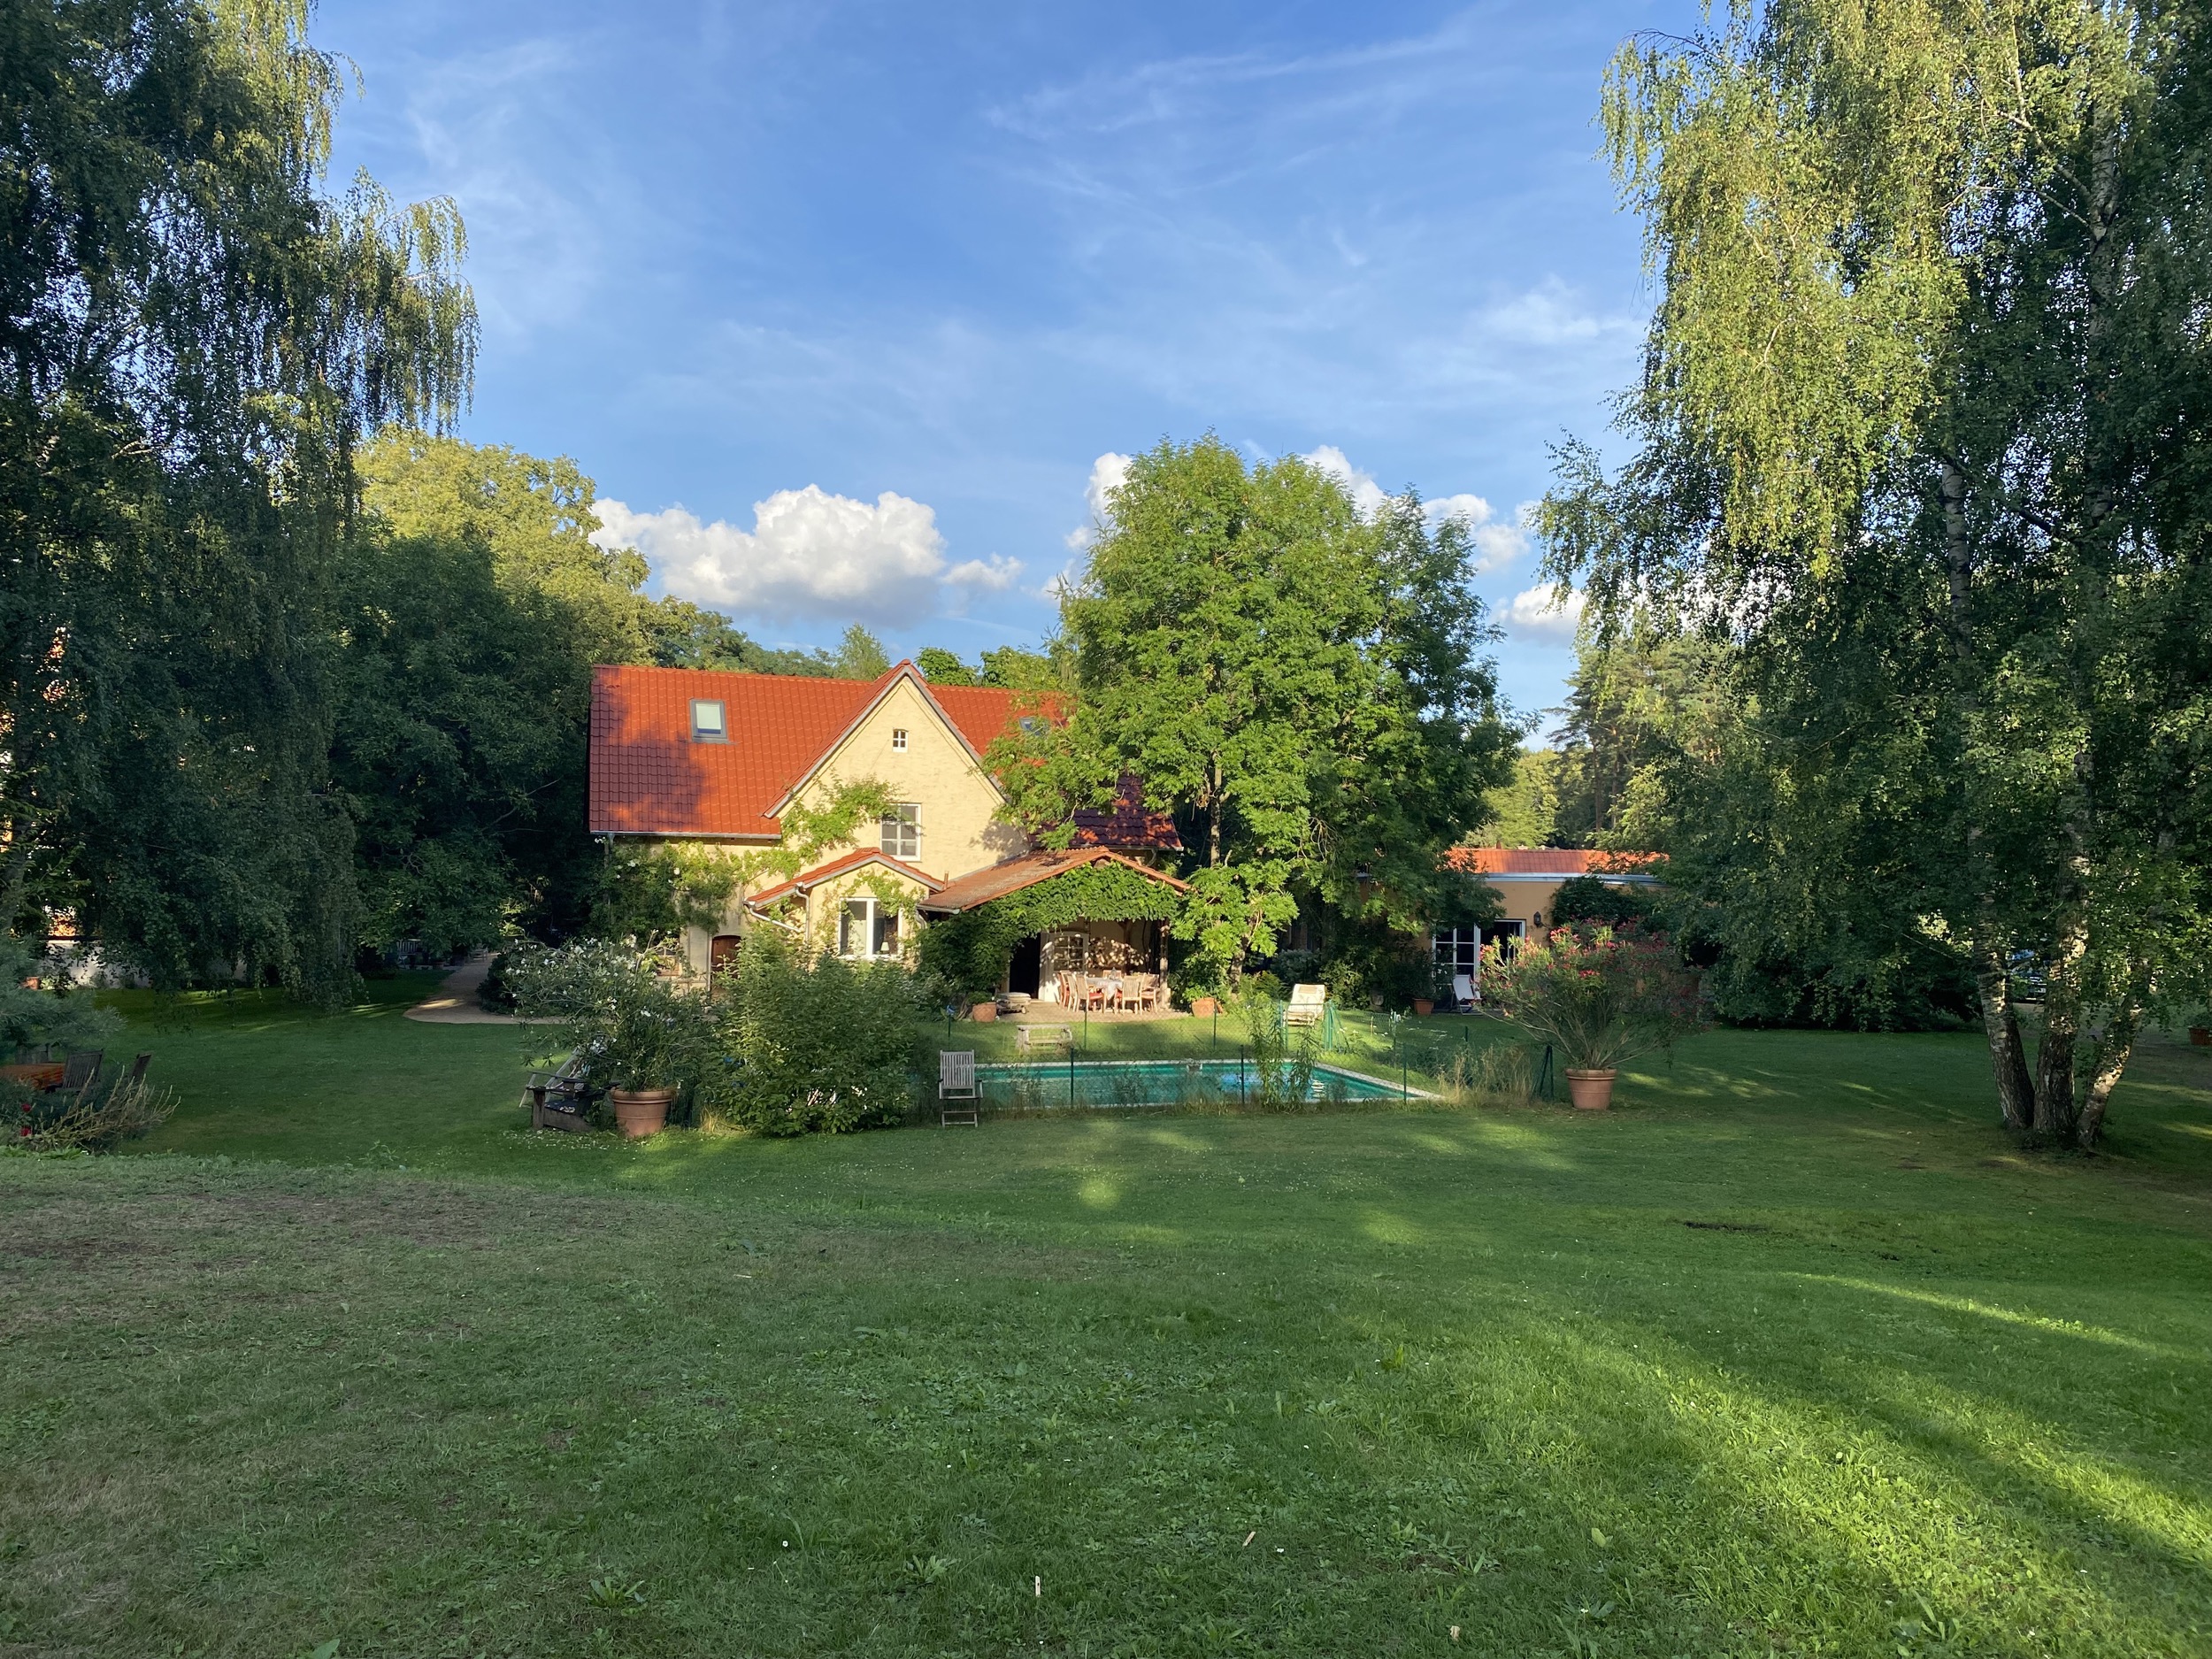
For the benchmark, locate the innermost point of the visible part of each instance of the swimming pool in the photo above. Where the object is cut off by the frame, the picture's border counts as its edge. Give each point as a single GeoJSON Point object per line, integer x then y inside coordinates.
{"type": "Point", "coordinates": [1042, 1084]}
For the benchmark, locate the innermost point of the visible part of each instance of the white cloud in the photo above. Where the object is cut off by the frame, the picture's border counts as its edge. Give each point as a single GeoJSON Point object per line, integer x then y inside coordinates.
{"type": "Point", "coordinates": [1536, 613]}
{"type": "Point", "coordinates": [994, 574]}
{"type": "Point", "coordinates": [1498, 542]}
{"type": "Point", "coordinates": [808, 553]}
{"type": "Point", "coordinates": [1107, 474]}
{"type": "Point", "coordinates": [1366, 494]}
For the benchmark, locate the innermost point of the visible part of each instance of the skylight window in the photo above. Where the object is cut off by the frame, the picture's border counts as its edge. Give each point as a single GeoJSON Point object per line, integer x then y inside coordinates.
{"type": "Point", "coordinates": [707, 723]}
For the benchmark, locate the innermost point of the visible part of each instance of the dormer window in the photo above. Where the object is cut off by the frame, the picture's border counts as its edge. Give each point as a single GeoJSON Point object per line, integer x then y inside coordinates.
{"type": "Point", "coordinates": [898, 737]}
{"type": "Point", "coordinates": [708, 724]}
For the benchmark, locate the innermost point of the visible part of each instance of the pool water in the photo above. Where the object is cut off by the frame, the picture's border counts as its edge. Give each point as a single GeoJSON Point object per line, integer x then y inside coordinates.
{"type": "Point", "coordinates": [1040, 1085]}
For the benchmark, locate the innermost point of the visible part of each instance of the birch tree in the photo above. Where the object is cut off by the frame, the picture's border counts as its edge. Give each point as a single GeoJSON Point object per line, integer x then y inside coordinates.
{"type": "Point", "coordinates": [1921, 426]}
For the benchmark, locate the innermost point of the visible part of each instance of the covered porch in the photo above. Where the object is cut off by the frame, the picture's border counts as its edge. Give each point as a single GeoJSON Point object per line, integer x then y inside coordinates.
{"type": "Point", "coordinates": [1058, 932]}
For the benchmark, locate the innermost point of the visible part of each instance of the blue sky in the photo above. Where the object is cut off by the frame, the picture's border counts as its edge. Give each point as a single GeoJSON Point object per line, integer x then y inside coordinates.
{"type": "Point", "coordinates": [847, 307]}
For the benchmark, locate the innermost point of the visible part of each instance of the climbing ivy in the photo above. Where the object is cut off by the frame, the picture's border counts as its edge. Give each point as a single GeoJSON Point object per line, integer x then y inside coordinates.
{"type": "Point", "coordinates": [972, 949]}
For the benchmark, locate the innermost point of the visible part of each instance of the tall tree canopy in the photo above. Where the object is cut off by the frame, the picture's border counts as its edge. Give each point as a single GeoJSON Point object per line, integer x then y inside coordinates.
{"type": "Point", "coordinates": [193, 338]}
{"type": "Point", "coordinates": [1921, 428]}
{"type": "Point", "coordinates": [1299, 686]}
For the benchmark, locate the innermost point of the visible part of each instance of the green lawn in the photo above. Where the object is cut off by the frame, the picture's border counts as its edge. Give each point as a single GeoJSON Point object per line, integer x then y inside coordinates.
{"type": "Point", "coordinates": [1790, 1354]}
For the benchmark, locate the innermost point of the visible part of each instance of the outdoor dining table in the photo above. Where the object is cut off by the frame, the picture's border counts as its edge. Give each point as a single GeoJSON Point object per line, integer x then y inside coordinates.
{"type": "Point", "coordinates": [37, 1074]}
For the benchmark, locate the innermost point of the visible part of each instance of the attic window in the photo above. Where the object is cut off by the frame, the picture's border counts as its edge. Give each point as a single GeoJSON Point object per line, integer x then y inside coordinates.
{"type": "Point", "coordinates": [707, 724]}
{"type": "Point", "coordinates": [898, 737]}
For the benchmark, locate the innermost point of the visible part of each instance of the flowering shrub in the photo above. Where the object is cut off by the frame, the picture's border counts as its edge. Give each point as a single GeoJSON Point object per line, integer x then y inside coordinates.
{"type": "Point", "coordinates": [632, 1026]}
{"type": "Point", "coordinates": [1598, 995]}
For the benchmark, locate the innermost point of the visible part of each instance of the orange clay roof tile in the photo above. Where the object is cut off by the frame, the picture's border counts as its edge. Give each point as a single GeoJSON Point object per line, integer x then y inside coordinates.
{"type": "Point", "coordinates": [648, 777]}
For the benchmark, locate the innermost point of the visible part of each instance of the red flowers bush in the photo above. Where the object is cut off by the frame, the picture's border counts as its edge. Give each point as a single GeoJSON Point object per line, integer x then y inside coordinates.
{"type": "Point", "coordinates": [1598, 995]}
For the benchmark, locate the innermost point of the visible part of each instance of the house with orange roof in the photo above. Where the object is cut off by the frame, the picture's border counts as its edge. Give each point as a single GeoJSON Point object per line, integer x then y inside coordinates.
{"type": "Point", "coordinates": [1526, 881]}
{"type": "Point", "coordinates": [714, 761]}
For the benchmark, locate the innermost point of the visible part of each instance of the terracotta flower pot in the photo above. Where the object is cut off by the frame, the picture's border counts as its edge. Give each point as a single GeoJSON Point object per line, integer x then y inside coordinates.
{"type": "Point", "coordinates": [984, 1013]}
{"type": "Point", "coordinates": [2201, 1035]}
{"type": "Point", "coordinates": [1424, 1005]}
{"type": "Point", "coordinates": [1591, 1091]}
{"type": "Point", "coordinates": [641, 1112]}
{"type": "Point", "coordinates": [1205, 1007]}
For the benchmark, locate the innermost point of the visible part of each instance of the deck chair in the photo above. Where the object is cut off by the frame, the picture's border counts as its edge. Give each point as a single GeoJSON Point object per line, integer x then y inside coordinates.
{"type": "Point", "coordinates": [559, 1099]}
{"type": "Point", "coordinates": [1464, 992]}
{"type": "Point", "coordinates": [1029, 1039]}
{"type": "Point", "coordinates": [81, 1070]}
{"type": "Point", "coordinates": [956, 1100]}
{"type": "Point", "coordinates": [137, 1073]}
{"type": "Point", "coordinates": [1310, 1008]}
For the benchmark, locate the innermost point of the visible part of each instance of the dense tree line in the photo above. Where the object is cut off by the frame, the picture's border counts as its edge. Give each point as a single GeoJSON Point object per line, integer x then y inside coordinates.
{"type": "Point", "coordinates": [288, 674]}
{"type": "Point", "coordinates": [1917, 482]}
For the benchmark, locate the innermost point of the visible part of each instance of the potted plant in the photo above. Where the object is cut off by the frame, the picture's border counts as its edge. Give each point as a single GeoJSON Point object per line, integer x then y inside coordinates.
{"type": "Point", "coordinates": [1599, 995]}
{"type": "Point", "coordinates": [984, 1012]}
{"type": "Point", "coordinates": [636, 1032]}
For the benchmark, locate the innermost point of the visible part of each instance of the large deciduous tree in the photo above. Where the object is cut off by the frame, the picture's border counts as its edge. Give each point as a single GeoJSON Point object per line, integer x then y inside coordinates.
{"type": "Point", "coordinates": [1922, 427]}
{"type": "Point", "coordinates": [193, 337]}
{"type": "Point", "coordinates": [1298, 685]}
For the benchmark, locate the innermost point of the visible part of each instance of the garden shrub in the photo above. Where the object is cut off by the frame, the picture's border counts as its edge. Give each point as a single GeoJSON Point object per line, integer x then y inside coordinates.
{"type": "Point", "coordinates": [126, 1109]}
{"type": "Point", "coordinates": [820, 1045]}
{"type": "Point", "coordinates": [622, 1012]}
{"type": "Point", "coordinates": [1589, 899]}
{"type": "Point", "coordinates": [1599, 995]}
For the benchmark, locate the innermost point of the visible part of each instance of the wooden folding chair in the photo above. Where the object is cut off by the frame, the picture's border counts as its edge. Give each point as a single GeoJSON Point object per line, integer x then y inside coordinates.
{"type": "Point", "coordinates": [957, 1097]}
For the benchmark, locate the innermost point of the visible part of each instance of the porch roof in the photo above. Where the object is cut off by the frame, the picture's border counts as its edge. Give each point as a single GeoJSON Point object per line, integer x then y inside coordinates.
{"type": "Point", "coordinates": [814, 878]}
{"type": "Point", "coordinates": [1025, 872]}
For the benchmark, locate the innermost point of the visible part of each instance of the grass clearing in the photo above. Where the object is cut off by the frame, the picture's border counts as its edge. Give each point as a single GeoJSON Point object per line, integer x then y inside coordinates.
{"type": "Point", "coordinates": [1790, 1354]}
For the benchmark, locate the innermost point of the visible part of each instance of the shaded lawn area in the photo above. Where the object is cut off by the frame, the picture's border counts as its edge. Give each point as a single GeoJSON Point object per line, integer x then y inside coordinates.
{"type": "Point", "coordinates": [1898, 1389]}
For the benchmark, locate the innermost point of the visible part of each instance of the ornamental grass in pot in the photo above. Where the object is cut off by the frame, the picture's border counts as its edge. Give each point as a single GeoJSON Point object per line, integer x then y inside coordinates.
{"type": "Point", "coordinates": [1599, 995]}
{"type": "Point", "coordinates": [637, 1031]}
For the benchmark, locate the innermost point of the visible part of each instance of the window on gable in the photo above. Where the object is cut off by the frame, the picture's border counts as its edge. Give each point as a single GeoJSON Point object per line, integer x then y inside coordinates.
{"type": "Point", "coordinates": [898, 737]}
{"type": "Point", "coordinates": [707, 723]}
{"type": "Point", "coordinates": [902, 831]}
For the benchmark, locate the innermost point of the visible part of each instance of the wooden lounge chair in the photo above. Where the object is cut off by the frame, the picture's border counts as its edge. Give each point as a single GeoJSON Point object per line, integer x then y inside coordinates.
{"type": "Point", "coordinates": [1307, 1004]}
{"type": "Point", "coordinates": [559, 1099]}
{"type": "Point", "coordinates": [956, 1100]}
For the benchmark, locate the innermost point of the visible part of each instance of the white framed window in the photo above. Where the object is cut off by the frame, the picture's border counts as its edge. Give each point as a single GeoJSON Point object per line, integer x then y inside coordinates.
{"type": "Point", "coordinates": [708, 723]}
{"type": "Point", "coordinates": [898, 737]}
{"type": "Point", "coordinates": [902, 831]}
{"type": "Point", "coordinates": [1457, 950]}
{"type": "Point", "coordinates": [867, 928]}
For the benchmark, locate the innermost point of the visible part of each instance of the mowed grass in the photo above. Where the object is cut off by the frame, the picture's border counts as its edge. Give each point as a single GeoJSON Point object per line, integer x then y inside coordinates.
{"type": "Point", "coordinates": [1790, 1354]}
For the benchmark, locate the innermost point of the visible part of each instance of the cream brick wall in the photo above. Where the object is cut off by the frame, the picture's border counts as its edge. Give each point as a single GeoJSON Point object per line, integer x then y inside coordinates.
{"type": "Point", "coordinates": [935, 772]}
